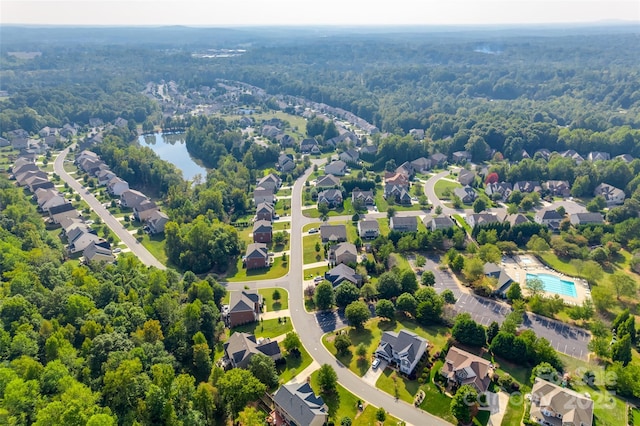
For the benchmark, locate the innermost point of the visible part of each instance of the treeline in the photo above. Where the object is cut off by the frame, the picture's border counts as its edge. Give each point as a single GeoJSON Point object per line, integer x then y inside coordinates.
{"type": "Point", "coordinates": [106, 345]}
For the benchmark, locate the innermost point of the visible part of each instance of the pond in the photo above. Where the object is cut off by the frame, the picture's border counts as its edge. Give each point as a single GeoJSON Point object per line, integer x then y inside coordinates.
{"type": "Point", "coordinates": [172, 148]}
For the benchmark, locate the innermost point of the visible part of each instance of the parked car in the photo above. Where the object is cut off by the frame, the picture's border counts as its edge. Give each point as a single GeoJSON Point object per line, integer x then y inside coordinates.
{"type": "Point", "coordinates": [317, 279]}
{"type": "Point", "coordinates": [313, 230]}
{"type": "Point", "coordinates": [375, 363]}
{"type": "Point", "coordinates": [117, 250]}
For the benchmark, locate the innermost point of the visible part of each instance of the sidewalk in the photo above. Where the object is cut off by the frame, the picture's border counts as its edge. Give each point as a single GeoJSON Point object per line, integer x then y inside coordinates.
{"type": "Point", "coordinates": [304, 374]}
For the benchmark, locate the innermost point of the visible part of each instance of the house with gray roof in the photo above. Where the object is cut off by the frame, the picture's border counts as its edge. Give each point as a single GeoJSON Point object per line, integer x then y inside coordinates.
{"type": "Point", "coordinates": [104, 176]}
{"type": "Point", "coordinates": [610, 193]}
{"type": "Point", "coordinates": [365, 197]}
{"type": "Point", "coordinates": [242, 346]}
{"type": "Point", "coordinates": [598, 156]}
{"type": "Point", "coordinates": [404, 223]}
{"type": "Point", "coordinates": [558, 406]}
{"type": "Point", "coordinates": [578, 219]}
{"type": "Point", "coordinates": [438, 222]}
{"type": "Point", "coordinates": [262, 231]}
{"type": "Point", "coordinates": [336, 168]}
{"type": "Point", "coordinates": [331, 197]}
{"type": "Point", "coordinates": [350, 156]}
{"type": "Point", "coordinates": [309, 146]}
{"type": "Point", "coordinates": [421, 165]}
{"type": "Point", "coordinates": [257, 256]}
{"type": "Point", "coordinates": [117, 186]}
{"type": "Point", "coordinates": [404, 348]}
{"type": "Point", "coordinates": [558, 188]}
{"type": "Point", "coordinates": [438, 159]}
{"type": "Point", "coordinates": [286, 163]}
{"type": "Point", "coordinates": [269, 181]}
{"type": "Point", "coordinates": [461, 157]}
{"type": "Point", "coordinates": [58, 213]}
{"type": "Point", "coordinates": [368, 229]}
{"type": "Point", "coordinates": [548, 217]}
{"type": "Point", "coordinates": [244, 307]}
{"type": "Point", "coordinates": [502, 188]}
{"type": "Point", "coordinates": [132, 198]}
{"type": "Point", "coordinates": [466, 177]}
{"type": "Point", "coordinates": [297, 404]}
{"type": "Point", "coordinates": [343, 253]}
{"type": "Point", "coordinates": [327, 181]}
{"type": "Point", "coordinates": [503, 279]}
{"type": "Point", "coordinates": [342, 273]}
{"type": "Point", "coordinates": [98, 252]}
{"type": "Point", "coordinates": [527, 186]}
{"type": "Point", "coordinates": [263, 195]}
{"type": "Point", "coordinates": [265, 211]}
{"type": "Point", "coordinates": [476, 219]}
{"type": "Point", "coordinates": [627, 158]}
{"type": "Point", "coordinates": [333, 233]}
{"type": "Point", "coordinates": [145, 210]}
{"type": "Point", "coordinates": [467, 194]}
{"type": "Point", "coordinates": [156, 222]}
{"type": "Point", "coordinates": [570, 153]}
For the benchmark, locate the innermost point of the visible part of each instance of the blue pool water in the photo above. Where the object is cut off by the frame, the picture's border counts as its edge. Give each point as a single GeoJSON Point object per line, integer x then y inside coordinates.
{"type": "Point", "coordinates": [554, 284]}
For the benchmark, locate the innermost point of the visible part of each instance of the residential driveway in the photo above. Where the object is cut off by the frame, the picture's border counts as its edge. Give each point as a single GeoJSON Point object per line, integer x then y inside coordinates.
{"type": "Point", "coordinates": [372, 376]}
{"type": "Point", "coordinates": [499, 403]}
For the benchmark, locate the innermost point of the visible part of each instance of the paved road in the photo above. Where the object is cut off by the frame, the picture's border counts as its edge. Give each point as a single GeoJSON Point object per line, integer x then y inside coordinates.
{"type": "Point", "coordinates": [430, 192]}
{"type": "Point", "coordinates": [567, 339]}
{"type": "Point", "coordinates": [129, 240]}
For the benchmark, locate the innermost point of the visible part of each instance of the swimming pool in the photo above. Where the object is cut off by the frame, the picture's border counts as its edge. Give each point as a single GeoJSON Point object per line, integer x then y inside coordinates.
{"type": "Point", "coordinates": [554, 284]}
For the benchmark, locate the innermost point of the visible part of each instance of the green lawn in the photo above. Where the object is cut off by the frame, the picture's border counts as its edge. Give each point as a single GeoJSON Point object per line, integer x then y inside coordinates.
{"type": "Point", "coordinates": [442, 186]}
{"type": "Point", "coordinates": [341, 404]}
{"type": "Point", "coordinates": [636, 416]}
{"type": "Point", "coordinates": [267, 295]}
{"type": "Point", "coordinates": [435, 401]}
{"type": "Point", "coordinates": [155, 245]}
{"type": "Point", "coordinates": [309, 254]}
{"type": "Point", "coordinates": [368, 418]}
{"type": "Point", "coordinates": [371, 335]}
{"type": "Point", "coordinates": [312, 272]}
{"type": "Point", "coordinates": [345, 209]}
{"type": "Point", "coordinates": [294, 365]}
{"type": "Point", "coordinates": [268, 328]}
{"type": "Point", "coordinates": [560, 265]}
{"type": "Point", "coordinates": [384, 226]}
{"type": "Point", "coordinates": [513, 415]}
{"type": "Point", "coordinates": [462, 222]}
{"type": "Point", "coordinates": [311, 225]}
{"type": "Point", "coordinates": [283, 207]}
{"type": "Point", "coordinates": [280, 226]}
{"type": "Point", "coordinates": [238, 273]}
{"type": "Point", "coordinates": [394, 384]}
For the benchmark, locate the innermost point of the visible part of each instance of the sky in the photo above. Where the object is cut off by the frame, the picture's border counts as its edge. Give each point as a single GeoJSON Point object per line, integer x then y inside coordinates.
{"type": "Point", "coordinates": [308, 12]}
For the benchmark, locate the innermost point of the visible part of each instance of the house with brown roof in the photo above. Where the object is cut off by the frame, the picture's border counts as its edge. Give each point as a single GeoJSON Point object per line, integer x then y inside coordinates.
{"type": "Point", "coordinates": [257, 256]}
{"type": "Point", "coordinates": [244, 307]}
{"type": "Point", "coordinates": [131, 198]}
{"type": "Point", "coordinates": [464, 368]}
{"type": "Point", "coordinates": [343, 253]}
{"type": "Point", "coordinates": [557, 406]}
{"type": "Point", "coordinates": [262, 231]}
{"type": "Point", "coordinates": [145, 210]}
{"type": "Point", "coordinates": [242, 346]}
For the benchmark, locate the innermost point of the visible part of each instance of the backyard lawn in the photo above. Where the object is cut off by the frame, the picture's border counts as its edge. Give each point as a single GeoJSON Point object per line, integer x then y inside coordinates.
{"type": "Point", "coordinates": [239, 273]}
{"type": "Point", "coordinates": [312, 272]}
{"type": "Point", "coordinates": [309, 253]}
{"type": "Point", "coordinates": [268, 328]}
{"type": "Point", "coordinates": [272, 305]}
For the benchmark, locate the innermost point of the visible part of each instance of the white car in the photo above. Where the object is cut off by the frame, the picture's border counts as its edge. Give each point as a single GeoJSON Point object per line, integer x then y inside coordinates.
{"type": "Point", "coordinates": [313, 230]}
{"type": "Point", "coordinates": [317, 279]}
{"type": "Point", "coordinates": [375, 363]}
{"type": "Point", "coordinates": [117, 250]}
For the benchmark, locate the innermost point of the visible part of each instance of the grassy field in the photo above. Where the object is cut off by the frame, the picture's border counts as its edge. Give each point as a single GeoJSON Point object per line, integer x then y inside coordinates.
{"type": "Point", "coordinates": [312, 272]}
{"type": "Point", "coordinates": [345, 209]}
{"type": "Point", "coordinates": [371, 335]}
{"type": "Point", "coordinates": [238, 273]}
{"type": "Point", "coordinates": [155, 245]}
{"type": "Point", "coordinates": [267, 295]}
{"type": "Point", "coordinates": [368, 418]}
{"type": "Point", "coordinates": [268, 328]}
{"type": "Point", "coordinates": [443, 186]}
{"type": "Point", "coordinates": [309, 254]}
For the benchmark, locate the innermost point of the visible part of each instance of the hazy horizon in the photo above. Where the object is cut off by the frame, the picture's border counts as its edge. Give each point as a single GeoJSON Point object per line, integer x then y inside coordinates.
{"type": "Point", "coordinates": [293, 13]}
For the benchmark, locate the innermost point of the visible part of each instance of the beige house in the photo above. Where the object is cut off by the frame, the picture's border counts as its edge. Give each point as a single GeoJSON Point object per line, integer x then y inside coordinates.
{"type": "Point", "coordinates": [557, 406]}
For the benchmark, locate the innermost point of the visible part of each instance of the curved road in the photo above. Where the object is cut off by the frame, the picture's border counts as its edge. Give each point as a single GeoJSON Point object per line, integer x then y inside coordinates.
{"type": "Point", "coordinates": [129, 240]}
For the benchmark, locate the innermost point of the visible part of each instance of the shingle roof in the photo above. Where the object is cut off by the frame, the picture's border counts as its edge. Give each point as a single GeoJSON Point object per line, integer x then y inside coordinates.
{"type": "Point", "coordinates": [405, 343]}
{"type": "Point", "coordinates": [333, 232]}
{"type": "Point", "coordinates": [574, 408]}
{"type": "Point", "coordinates": [467, 368]}
{"type": "Point", "coordinates": [242, 301]}
{"type": "Point", "coordinates": [300, 402]}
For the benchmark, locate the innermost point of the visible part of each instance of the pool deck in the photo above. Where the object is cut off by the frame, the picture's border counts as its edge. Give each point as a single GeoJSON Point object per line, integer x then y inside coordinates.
{"type": "Point", "coordinates": [519, 266]}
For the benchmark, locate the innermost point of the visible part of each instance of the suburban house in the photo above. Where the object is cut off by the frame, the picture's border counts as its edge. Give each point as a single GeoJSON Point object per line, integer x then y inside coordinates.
{"type": "Point", "coordinates": [333, 233]}
{"type": "Point", "coordinates": [265, 211]}
{"type": "Point", "coordinates": [244, 307]}
{"type": "Point", "coordinates": [342, 273]}
{"type": "Point", "coordinates": [309, 146]}
{"type": "Point", "coordinates": [627, 158]}
{"type": "Point", "coordinates": [144, 210]}
{"type": "Point", "coordinates": [404, 348]}
{"type": "Point", "coordinates": [327, 181]}
{"type": "Point", "coordinates": [285, 163]}
{"type": "Point", "coordinates": [461, 157]}
{"type": "Point", "coordinates": [503, 279]}
{"type": "Point", "coordinates": [242, 346]}
{"type": "Point", "coordinates": [417, 133]}
{"type": "Point", "coordinates": [36, 182]}
{"type": "Point", "coordinates": [396, 178]}
{"type": "Point", "coordinates": [598, 156]}
{"type": "Point", "coordinates": [558, 406]}
{"type": "Point", "coordinates": [263, 195]}
{"type": "Point", "coordinates": [156, 222]}
{"type": "Point", "coordinates": [96, 252]}
{"type": "Point", "coordinates": [369, 149]}
{"type": "Point", "coordinates": [270, 181]}
{"type": "Point", "coordinates": [405, 169]}
{"type": "Point", "coordinates": [365, 197]}
{"type": "Point", "coordinates": [421, 165]}
{"type": "Point", "coordinates": [104, 176]}
{"type": "Point", "coordinates": [57, 213]}
{"type": "Point", "coordinates": [132, 198]}
{"type": "Point", "coordinates": [586, 218]}
{"type": "Point", "coordinates": [257, 256]}
{"type": "Point", "coordinates": [117, 186]}
{"type": "Point", "coordinates": [438, 159]}
{"type": "Point", "coordinates": [466, 177]}
{"type": "Point", "coordinates": [4, 142]}
{"type": "Point", "coordinates": [399, 193]}
{"type": "Point", "coordinates": [350, 156]}
{"type": "Point", "coordinates": [368, 229]}
{"type": "Point", "coordinates": [79, 239]}
{"type": "Point", "coordinates": [23, 165]}
{"type": "Point", "coordinates": [92, 166]}
{"type": "Point", "coordinates": [343, 253]}
{"type": "Point", "coordinates": [331, 197]}
{"type": "Point", "coordinates": [438, 222]}
{"type": "Point", "coordinates": [527, 186]}
{"type": "Point", "coordinates": [285, 140]}
{"type": "Point", "coordinates": [515, 219]}
{"type": "Point", "coordinates": [20, 143]}
{"type": "Point", "coordinates": [56, 200]}
{"type": "Point", "coordinates": [42, 195]}
{"type": "Point", "coordinates": [23, 177]}
{"type": "Point", "coordinates": [336, 168]}
{"type": "Point", "coordinates": [463, 368]}
{"type": "Point", "coordinates": [544, 153]}
{"type": "Point", "coordinates": [481, 219]}
{"type": "Point", "coordinates": [610, 193]}
{"type": "Point", "coordinates": [297, 404]}
{"type": "Point", "coordinates": [548, 217]}
{"type": "Point", "coordinates": [502, 188]}
{"type": "Point", "coordinates": [262, 231]}
{"type": "Point", "coordinates": [466, 194]}
{"type": "Point", "coordinates": [557, 188]}
{"type": "Point", "coordinates": [570, 153]}
{"type": "Point", "coordinates": [404, 223]}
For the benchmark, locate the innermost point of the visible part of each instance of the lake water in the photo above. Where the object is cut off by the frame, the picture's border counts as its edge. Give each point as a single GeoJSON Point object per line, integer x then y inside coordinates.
{"type": "Point", "coordinates": [171, 148]}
